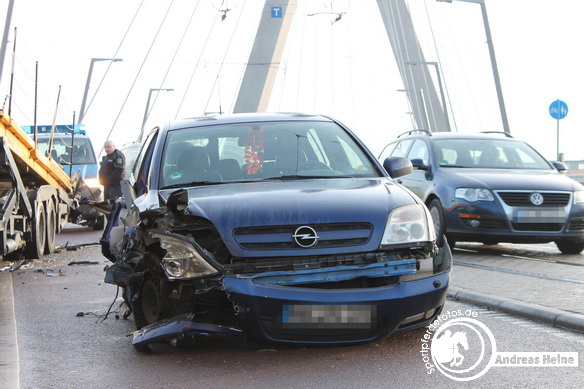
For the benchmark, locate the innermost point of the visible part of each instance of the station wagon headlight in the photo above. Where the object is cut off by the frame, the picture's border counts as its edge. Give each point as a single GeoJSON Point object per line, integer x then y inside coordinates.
{"type": "Point", "coordinates": [182, 259]}
{"type": "Point", "coordinates": [579, 197]}
{"type": "Point", "coordinates": [408, 224]}
{"type": "Point", "coordinates": [474, 194]}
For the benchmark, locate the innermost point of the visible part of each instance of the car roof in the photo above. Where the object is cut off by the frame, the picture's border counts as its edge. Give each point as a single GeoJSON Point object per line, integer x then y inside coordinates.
{"type": "Point", "coordinates": [243, 118]}
{"type": "Point", "coordinates": [488, 135]}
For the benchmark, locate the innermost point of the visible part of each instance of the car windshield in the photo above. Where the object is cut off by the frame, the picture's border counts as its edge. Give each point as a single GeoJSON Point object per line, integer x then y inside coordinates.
{"type": "Point", "coordinates": [488, 153]}
{"type": "Point", "coordinates": [61, 152]}
{"type": "Point", "coordinates": [261, 151]}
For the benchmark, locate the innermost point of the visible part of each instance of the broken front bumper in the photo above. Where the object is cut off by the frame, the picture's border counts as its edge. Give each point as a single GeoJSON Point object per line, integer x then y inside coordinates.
{"type": "Point", "coordinates": [289, 314]}
{"type": "Point", "coordinates": [281, 307]}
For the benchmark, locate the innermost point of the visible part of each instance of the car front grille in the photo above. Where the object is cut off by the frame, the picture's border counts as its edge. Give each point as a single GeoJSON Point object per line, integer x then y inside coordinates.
{"type": "Point", "coordinates": [280, 237]}
{"type": "Point", "coordinates": [522, 199]}
{"type": "Point", "coordinates": [539, 227]}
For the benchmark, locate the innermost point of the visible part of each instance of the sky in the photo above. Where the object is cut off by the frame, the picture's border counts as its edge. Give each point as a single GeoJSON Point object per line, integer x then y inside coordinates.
{"type": "Point", "coordinates": [344, 69]}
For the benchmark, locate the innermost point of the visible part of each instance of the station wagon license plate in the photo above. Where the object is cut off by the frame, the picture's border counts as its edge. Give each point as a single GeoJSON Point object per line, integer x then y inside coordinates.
{"type": "Point", "coordinates": [539, 216]}
{"type": "Point", "coordinates": [324, 316]}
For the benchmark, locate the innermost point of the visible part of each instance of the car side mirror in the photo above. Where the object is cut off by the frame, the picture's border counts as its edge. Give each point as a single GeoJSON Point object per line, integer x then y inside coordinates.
{"type": "Point", "coordinates": [397, 166]}
{"type": "Point", "coordinates": [418, 163]}
{"type": "Point", "coordinates": [560, 166]}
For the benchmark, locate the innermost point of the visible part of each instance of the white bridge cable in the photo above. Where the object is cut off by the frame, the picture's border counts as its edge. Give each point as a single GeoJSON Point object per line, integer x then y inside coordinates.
{"type": "Point", "coordinates": [139, 71]}
{"type": "Point", "coordinates": [198, 61]}
{"type": "Point", "coordinates": [216, 83]}
{"type": "Point", "coordinates": [441, 68]}
{"type": "Point", "coordinates": [173, 58]}
{"type": "Point", "coordinates": [402, 56]}
{"type": "Point", "coordinates": [111, 62]}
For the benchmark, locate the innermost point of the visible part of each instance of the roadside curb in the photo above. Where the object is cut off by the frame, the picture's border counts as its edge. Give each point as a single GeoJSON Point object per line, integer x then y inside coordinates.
{"type": "Point", "coordinates": [9, 359]}
{"type": "Point", "coordinates": [554, 316]}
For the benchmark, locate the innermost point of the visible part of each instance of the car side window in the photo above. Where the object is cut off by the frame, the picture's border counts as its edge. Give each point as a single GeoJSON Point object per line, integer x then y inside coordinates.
{"type": "Point", "coordinates": [387, 151]}
{"type": "Point", "coordinates": [143, 164]}
{"type": "Point", "coordinates": [402, 148]}
{"type": "Point", "coordinates": [419, 150]}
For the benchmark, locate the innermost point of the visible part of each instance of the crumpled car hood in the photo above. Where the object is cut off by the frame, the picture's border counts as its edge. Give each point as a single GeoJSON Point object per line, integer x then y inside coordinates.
{"type": "Point", "coordinates": [298, 202]}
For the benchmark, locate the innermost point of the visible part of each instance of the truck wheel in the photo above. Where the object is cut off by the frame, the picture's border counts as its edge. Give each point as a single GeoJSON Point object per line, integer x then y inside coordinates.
{"type": "Point", "coordinates": [36, 246]}
{"type": "Point", "coordinates": [51, 227]}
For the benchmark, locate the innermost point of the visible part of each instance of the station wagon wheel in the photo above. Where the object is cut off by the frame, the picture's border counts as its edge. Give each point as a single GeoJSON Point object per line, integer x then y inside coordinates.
{"type": "Point", "coordinates": [435, 208]}
{"type": "Point", "coordinates": [570, 246]}
{"type": "Point", "coordinates": [35, 248]}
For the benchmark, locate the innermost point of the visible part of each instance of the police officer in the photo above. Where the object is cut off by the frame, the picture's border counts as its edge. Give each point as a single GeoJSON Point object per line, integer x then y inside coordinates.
{"type": "Point", "coordinates": [111, 171]}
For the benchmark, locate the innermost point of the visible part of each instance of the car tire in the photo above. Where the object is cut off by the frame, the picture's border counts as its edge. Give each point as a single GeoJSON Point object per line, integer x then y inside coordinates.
{"type": "Point", "coordinates": [99, 223]}
{"type": "Point", "coordinates": [489, 242]}
{"type": "Point", "coordinates": [148, 303]}
{"type": "Point", "coordinates": [570, 246]}
{"type": "Point", "coordinates": [435, 208]}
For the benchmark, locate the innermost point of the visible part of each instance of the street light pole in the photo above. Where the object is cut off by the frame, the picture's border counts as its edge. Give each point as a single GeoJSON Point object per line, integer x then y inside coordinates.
{"type": "Point", "coordinates": [82, 110]}
{"type": "Point", "coordinates": [435, 64]}
{"type": "Point", "coordinates": [493, 60]}
{"type": "Point", "coordinates": [146, 110]}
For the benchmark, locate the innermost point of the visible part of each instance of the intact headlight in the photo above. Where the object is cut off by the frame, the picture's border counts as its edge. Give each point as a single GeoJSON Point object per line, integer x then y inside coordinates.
{"type": "Point", "coordinates": [408, 224]}
{"type": "Point", "coordinates": [182, 260]}
{"type": "Point", "coordinates": [474, 194]}
{"type": "Point", "coordinates": [579, 197]}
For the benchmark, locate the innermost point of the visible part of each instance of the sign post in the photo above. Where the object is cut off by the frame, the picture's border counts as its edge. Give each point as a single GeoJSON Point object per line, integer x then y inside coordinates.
{"type": "Point", "coordinates": [558, 110]}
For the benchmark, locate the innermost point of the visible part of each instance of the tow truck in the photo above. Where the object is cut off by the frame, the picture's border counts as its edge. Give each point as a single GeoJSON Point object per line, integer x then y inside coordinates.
{"type": "Point", "coordinates": [37, 197]}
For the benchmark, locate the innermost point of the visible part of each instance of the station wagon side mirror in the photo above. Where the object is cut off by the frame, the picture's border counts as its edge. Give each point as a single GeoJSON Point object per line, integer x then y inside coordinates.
{"type": "Point", "coordinates": [418, 163]}
{"type": "Point", "coordinates": [560, 166]}
{"type": "Point", "coordinates": [397, 166]}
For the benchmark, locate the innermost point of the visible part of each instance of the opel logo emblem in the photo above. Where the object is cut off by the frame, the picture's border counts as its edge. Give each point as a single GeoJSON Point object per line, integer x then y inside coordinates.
{"type": "Point", "coordinates": [536, 199]}
{"type": "Point", "coordinates": [305, 236]}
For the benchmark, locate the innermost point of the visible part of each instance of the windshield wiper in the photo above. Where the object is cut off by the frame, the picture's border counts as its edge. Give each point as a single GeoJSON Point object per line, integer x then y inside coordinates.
{"type": "Point", "coordinates": [296, 177]}
{"type": "Point", "coordinates": [192, 183]}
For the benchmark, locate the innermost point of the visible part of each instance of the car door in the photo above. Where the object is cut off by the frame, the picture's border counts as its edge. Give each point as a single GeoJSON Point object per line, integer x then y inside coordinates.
{"type": "Point", "coordinates": [419, 180]}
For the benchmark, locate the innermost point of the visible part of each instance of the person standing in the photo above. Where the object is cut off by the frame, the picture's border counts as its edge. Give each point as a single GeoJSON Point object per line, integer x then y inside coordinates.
{"type": "Point", "coordinates": [111, 172]}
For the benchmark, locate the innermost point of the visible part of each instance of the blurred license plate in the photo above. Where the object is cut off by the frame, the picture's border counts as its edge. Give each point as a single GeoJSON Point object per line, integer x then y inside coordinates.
{"type": "Point", "coordinates": [539, 216]}
{"type": "Point", "coordinates": [328, 316]}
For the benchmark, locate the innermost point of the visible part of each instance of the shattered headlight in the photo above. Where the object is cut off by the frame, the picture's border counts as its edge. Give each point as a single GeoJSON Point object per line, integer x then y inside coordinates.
{"type": "Point", "coordinates": [408, 224]}
{"type": "Point", "coordinates": [182, 259]}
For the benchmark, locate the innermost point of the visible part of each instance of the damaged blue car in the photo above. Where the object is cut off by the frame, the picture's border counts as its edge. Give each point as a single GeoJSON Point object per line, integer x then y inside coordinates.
{"type": "Point", "coordinates": [282, 228]}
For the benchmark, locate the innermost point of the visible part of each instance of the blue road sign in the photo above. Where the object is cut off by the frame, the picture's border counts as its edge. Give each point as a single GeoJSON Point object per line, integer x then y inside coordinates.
{"type": "Point", "coordinates": [276, 12]}
{"type": "Point", "coordinates": [558, 109]}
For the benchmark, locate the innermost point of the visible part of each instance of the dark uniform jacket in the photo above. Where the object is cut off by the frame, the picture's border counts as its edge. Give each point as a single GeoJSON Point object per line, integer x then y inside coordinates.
{"type": "Point", "coordinates": [111, 171]}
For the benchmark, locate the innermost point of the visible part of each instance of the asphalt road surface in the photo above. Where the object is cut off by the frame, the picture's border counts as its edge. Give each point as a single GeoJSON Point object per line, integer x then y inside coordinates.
{"type": "Point", "coordinates": [66, 341]}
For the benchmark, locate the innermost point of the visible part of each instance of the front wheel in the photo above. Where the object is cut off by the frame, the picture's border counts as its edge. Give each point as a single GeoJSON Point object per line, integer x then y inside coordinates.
{"type": "Point", "coordinates": [99, 223]}
{"type": "Point", "coordinates": [435, 208]}
{"type": "Point", "coordinates": [148, 304]}
{"type": "Point", "coordinates": [570, 246]}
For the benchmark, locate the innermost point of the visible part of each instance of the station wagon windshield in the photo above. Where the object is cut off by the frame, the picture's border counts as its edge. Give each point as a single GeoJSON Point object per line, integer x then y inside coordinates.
{"type": "Point", "coordinates": [479, 153]}
{"type": "Point", "coordinates": [259, 151]}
